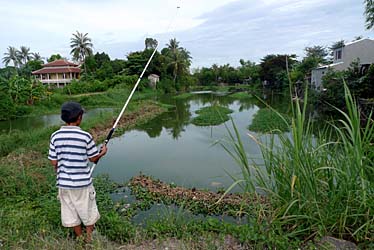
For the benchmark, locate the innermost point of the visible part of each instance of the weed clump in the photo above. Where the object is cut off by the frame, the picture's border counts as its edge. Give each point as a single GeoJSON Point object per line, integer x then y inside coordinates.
{"type": "Point", "coordinates": [269, 121]}
{"type": "Point", "coordinates": [213, 115]}
{"type": "Point", "coordinates": [241, 95]}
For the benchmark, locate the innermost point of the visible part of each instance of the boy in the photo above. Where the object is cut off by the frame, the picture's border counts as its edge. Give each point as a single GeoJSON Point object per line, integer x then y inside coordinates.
{"type": "Point", "coordinates": [70, 150]}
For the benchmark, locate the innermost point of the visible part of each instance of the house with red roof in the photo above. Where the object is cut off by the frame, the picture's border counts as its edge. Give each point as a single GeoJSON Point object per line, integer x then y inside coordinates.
{"type": "Point", "coordinates": [58, 73]}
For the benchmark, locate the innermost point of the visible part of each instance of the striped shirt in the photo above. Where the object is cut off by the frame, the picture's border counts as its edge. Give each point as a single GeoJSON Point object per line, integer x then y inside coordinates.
{"type": "Point", "coordinates": [72, 147]}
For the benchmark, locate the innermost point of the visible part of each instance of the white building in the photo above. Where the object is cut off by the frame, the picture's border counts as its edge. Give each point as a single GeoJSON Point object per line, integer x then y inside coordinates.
{"type": "Point", "coordinates": [153, 80]}
{"type": "Point", "coordinates": [361, 50]}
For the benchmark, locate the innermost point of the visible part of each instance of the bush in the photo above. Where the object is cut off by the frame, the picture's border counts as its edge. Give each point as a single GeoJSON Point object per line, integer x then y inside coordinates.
{"type": "Point", "coordinates": [7, 108]}
{"type": "Point", "coordinates": [166, 85]}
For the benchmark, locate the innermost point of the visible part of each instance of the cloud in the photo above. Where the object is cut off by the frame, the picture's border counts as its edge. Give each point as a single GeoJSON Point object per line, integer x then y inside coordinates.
{"type": "Point", "coordinates": [213, 31]}
{"type": "Point", "coordinates": [250, 31]}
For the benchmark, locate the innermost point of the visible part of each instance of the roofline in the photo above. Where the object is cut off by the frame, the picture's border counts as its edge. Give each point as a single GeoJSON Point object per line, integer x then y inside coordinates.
{"type": "Point", "coordinates": [360, 40]}
{"type": "Point", "coordinates": [54, 68]}
{"type": "Point", "coordinates": [68, 63]}
{"type": "Point", "coordinates": [329, 65]}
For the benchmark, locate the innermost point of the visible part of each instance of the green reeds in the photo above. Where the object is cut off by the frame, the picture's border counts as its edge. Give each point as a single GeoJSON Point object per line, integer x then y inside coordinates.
{"type": "Point", "coordinates": [318, 183]}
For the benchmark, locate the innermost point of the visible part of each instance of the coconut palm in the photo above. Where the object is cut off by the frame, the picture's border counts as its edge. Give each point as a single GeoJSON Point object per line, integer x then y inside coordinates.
{"type": "Point", "coordinates": [179, 58]}
{"type": "Point", "coordinates": [24, 54]}
{"type": "Point", "coordinates": [36, 56]}
{"type": "Point", "coordinates": [81, 46]}
{"type": "Point", "coordinates": [173, 45]}
{"type": "Point", "coordinates": [369, 13]}
{"type": "Point", "coordinates": [11, 56]}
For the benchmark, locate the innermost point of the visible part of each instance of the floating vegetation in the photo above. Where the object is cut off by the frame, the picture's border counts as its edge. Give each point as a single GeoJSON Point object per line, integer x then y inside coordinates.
{"type": "Point", "coordinates": [269, 121]}
{"type": "Point", "coordinates": [213, 115]}
{"type": "Point", "coordinates": [183, 96]}
{"type": "Point", "coordinates": [241, 95]}
{"type": "Point", "coordinates": [198, 201]}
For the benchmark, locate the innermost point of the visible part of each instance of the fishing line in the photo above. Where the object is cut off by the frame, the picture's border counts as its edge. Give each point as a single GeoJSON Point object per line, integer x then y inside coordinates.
{"type": "Point", "coordinates": [133, 90]}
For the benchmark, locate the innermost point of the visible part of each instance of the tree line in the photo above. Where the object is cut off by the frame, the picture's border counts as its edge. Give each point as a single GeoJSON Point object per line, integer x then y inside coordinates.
{"type": "Point", "coordinates": [19, 90]}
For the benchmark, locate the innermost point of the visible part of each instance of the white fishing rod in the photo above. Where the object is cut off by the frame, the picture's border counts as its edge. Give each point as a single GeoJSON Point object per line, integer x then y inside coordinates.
{"type": "Point", "coordinates": [129, 98]}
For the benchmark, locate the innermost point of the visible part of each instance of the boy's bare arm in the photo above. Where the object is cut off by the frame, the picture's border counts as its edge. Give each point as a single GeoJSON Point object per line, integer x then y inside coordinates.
{"type": "Point", "coordinates": [54, 164]}
{"type": "Point", "coordinates": [103, 151]}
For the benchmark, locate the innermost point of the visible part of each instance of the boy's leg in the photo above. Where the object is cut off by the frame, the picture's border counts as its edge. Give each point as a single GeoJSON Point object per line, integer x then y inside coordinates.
{"type": "Point", "coordinates": [89, 230]}
{"type": "Point", "coordinates": [78, 231]}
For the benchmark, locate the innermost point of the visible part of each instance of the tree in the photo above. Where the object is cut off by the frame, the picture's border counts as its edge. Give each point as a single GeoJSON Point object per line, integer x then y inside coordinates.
{"type": "Point", "coordinates": [81, 46]}
{"type": "Point", "coordinates": [337, 45]}
{"type": "Point", "coordinates": [11, 56]}
{"type": "Point", "coordinates": [101, 58]}
{"type": "Point", "coordinates": [179, 59]}
{"type": "Point", "coordinates": [135, 63]}
{"type": "Point", "coordinates": [274, 69]}
{"type": "Point", "coordinates": [7, 73]}
{"type": "Point", "coordinates": [105, 71]}
{"type": "Point", "coordinates": [369, 13]}
{"type": "Point", "coordinates": [319, 53]}
{"type": "Point", "coordinates": [90, 64]}
{"type": "Point", "coordinates": [54, 57]}
{"type": "Point", "coordinates": [24, 55]}
{"type": "Point", "coordinates": [150, 43]}
{"type": "Point", "coordinates": [30, 66]}
{"type": "Point", "coordinates": [37, 57]}
{"type": "Point", "coordinates": [248, 72]}
{"type": "Point", "coordinates": [118, 65]}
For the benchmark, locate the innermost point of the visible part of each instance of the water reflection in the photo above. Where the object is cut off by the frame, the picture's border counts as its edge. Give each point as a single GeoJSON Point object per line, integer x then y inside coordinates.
{"type": "Point", "coordinates": [35, 122]}
{"type": "Point", "coordinates": [172, 149]}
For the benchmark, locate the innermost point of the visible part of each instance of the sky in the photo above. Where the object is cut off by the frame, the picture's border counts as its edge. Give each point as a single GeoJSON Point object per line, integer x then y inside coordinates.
{"type": "Point", "coordinates": [214, 31]}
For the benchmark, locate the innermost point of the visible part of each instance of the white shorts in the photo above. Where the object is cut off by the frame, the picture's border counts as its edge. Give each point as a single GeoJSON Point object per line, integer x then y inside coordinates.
{"type": "Point", "coordinates": [77, 206]}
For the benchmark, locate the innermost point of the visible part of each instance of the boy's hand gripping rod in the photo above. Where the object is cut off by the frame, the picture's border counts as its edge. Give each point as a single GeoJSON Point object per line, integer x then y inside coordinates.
{"type": "Point", "coordinates": [125, 106]}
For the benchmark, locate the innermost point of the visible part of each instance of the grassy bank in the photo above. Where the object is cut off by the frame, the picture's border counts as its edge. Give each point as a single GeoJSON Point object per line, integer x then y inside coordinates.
{"type": "Point", "coordinates": [30, 217]}
{"type": "Point", "coordinates": [111, 98]}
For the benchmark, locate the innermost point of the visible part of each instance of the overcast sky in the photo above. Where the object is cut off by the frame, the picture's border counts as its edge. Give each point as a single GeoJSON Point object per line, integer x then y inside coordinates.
{"type": "Point", "coordinates": [214, 31]}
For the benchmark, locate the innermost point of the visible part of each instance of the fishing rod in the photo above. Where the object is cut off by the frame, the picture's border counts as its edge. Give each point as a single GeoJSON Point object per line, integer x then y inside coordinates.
{"type": "Point", "coordinates": [129, 98]}
{"type": "Point", "coordinates": [125, 106]}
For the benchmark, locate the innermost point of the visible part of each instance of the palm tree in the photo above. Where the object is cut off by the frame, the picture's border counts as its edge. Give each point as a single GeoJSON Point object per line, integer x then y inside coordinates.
{"type": "Point", "coordinates": [36, 56]}
{"type": "Point", "coordinates": [81, 46]}
{"type": "Point", "coordinates": [24, 54]}
{"type": "Point", "coordinates": [179, 58]}
{"type": "Point", "coordinates": [369, 13]}
{"type": "Point", "coordinates": [11, 56]}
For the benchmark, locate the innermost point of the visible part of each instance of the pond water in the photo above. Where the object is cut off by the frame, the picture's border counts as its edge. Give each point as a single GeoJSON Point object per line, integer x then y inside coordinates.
{"type": "Point", "coordinates": [34, 122]}
{"type": "Point", "coordinates": [173, 150]}
{"type": "Point", "coordinates": [170, 147]}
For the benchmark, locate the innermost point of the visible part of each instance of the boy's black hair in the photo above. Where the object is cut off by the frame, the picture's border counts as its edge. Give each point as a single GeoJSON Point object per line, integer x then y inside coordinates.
{"type": "Point", "coordinates": [70, 111]}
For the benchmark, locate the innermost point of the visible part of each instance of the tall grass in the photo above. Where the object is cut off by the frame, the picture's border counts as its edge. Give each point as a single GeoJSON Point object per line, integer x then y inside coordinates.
{"type": "Point", "coordinates": [318, 183]}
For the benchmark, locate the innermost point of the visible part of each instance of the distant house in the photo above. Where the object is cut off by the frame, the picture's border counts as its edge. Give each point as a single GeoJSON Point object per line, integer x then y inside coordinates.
{"type": "Point", "coordinates": [153, 80]}
{"type": "Point", "coordinates": [58, 73]}
{"type": "Point", "coordinates": [362, 50]}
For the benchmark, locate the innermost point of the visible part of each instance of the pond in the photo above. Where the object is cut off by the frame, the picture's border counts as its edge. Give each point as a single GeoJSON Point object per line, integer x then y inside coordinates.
{"type": "Point", "coordinates": [35, 122]}
{"type": "Point", "coordinates": [172, 149]}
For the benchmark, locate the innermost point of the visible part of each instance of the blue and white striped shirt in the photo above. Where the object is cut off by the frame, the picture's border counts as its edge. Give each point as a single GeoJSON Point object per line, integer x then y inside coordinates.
{"type": "Point", "coordinates": [72, 147]}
